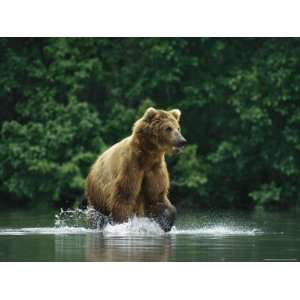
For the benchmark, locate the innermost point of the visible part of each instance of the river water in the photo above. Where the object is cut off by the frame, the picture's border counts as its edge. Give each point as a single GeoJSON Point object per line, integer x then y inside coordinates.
{"type": "Point", "coordinates": [27, 235]}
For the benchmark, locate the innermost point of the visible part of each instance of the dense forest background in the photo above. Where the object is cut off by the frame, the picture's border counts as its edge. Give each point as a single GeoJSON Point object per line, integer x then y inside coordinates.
{"type": "Point", "coordinates": [65, 100]}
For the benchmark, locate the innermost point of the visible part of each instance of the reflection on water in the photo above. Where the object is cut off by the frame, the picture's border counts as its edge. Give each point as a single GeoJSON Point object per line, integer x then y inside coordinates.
{"type": "Point", "coordinates": [33, 236]}
{"type": "Point", "coordinates": [128, 249]}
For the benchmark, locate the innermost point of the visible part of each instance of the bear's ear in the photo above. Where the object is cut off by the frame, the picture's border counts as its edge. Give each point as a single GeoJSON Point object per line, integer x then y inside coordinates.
{"type": "Point", "coordinates": [150, 113]}
{"type": "Point", "coordinates": [176, 114]}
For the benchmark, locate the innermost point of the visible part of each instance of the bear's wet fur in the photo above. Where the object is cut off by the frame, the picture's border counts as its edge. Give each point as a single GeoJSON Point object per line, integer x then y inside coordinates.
{"type": "Point", "coordinates": [131, 177]}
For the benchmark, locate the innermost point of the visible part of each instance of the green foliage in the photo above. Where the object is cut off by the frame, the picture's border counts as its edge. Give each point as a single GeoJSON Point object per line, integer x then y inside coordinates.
{"type": "Point", "coordinates": [48, 157]}
{"type": "Point", "coordinates": [189, 176]}
{"type": "Point", "coordinates": [190, 169]}
{"type": "Point", "coordinates": [266, 194]}
{"type": "Point", "coordinates": [64, 100]}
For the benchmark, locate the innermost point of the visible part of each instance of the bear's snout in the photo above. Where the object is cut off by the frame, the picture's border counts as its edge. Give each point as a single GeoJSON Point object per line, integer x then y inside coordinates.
{"type": "Point", "coordinates": [181, 142]}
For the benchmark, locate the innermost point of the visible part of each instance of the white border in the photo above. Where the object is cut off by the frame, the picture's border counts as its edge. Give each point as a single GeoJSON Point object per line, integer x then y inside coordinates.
{"type": "Point", "coordinates": [149, 281]}
{"type": "Point", "coordinates": [149, 18]}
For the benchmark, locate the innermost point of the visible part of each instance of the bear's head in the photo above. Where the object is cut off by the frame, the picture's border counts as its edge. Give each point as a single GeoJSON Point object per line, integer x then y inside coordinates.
{"type": "Point", "coordinates": [160, 130]}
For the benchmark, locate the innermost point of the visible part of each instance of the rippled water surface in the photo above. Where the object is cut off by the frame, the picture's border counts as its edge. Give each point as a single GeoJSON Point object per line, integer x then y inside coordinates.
{"type": "Point", "coordinates": [259, 236]}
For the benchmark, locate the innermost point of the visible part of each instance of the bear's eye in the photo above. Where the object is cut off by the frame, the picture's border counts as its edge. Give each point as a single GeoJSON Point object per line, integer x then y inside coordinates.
{"type": "Point", "coordinates": [169, 129]}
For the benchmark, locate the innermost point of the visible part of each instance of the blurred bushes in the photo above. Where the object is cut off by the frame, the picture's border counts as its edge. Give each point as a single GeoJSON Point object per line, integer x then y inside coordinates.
{"type": "Point", "coordinates": [64, 100]}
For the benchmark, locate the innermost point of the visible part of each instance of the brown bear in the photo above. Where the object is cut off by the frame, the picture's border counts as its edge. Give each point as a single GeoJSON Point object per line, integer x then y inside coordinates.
{"type": "Point", "coordinates": [131, 177]}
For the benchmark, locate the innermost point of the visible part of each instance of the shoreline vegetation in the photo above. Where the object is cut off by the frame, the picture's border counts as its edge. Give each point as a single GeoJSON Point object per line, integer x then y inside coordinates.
{"type": "Point", "coordinates": [65, 100]}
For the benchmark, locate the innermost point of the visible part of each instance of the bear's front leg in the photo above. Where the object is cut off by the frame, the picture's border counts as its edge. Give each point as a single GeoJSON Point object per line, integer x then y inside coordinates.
{"type": "Point", "coordinates": [163, 213]}
{"type": "Point", "coordinates": [97, 220]}
{"type": "Point", "coordinates": [166, 217]}
{"type": "Point", "coordinates": [125, 194]}
{"type": "Point", "coordinates": [158, 206]}
{"type": "Point", "coordinates": [121, 212]}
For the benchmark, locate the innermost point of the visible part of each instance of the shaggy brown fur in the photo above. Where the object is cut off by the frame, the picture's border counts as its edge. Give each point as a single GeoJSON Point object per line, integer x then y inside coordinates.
{"type": "Point", "coordinates": [131, 177]}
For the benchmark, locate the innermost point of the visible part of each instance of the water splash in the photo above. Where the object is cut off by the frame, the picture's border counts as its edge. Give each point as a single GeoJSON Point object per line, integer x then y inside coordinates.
{"type": "Point", "coordinates": [218, 230]}
{"type": "Point", "coordinates": [135, 226]}
{"type": "Point", "coordinates": [78, 222]}
{"type": "Point", "coordinates": [46, 231]}
{"type": "Point", "coordinates": [144, 226]}
{"type": "Point", "coordinates": [73, 218]}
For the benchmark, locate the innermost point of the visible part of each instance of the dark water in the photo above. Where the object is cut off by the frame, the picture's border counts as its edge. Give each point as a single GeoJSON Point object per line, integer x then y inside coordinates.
{"type": "Point", "coordinates": [258, 236]}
